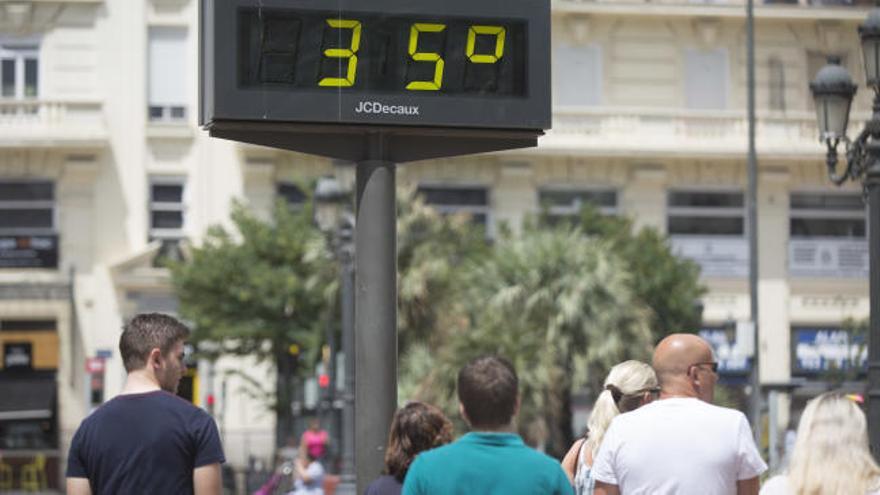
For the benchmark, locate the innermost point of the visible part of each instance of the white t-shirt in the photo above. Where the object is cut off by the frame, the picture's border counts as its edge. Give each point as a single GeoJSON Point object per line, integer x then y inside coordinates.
{"type": "Point", "coordinates": [778, 485]}
{"type": "Point", "coordinates": [315, 472]}
{"type": "Point", "coordinates": [678, 446]}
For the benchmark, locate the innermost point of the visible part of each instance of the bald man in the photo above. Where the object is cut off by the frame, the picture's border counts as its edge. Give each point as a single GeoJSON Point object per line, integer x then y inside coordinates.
{"type": "Point", "coordinates": [680, 444]}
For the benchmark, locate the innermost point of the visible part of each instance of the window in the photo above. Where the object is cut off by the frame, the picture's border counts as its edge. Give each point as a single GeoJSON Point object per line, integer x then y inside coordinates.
{"type": "Point", "coordinates": [565, 203]}
{"type": "Point", "coordinates": [167, 74]}
{"type": "Point", "coordinates": [712, 213]}
{"type": "Point", "coordinates": [827, 235]}
{"type": "Point", "coordinates": [473, 200]}
{"type": "Point", "coordinates": [577, 75]}
{"type": "Point", "coordinates": [166, 209]}
{"type": "Point", "coordinates": [19, 70]}
{"type": "Point", "coordinates": [708, 227]}
{"type": "Point", "coordinates": [830, 215]}
{"type": "Point", "coordinates": [776, 80]}
{"type": "Point", "coordinates": [27, 207]}
{"type": "Point", "coordinates": [291, 194]}
{"type": "Point", "coordinates": [705, 79]}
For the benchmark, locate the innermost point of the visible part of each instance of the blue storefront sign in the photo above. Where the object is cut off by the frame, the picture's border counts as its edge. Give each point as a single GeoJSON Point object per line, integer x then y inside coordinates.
{"type": "Point", "coordinates": [731, 358]}
{"type": "Point", "coordinates": [821, 349]}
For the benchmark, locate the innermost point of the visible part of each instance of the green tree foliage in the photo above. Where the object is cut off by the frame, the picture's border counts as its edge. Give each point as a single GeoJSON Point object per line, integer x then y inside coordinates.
{"type": "Point", "coordinates": [663, 282]}
{"type": "Point", "coordinates": [564, 302]}
{"type": "Point", "coordinates": [432, 250]}
{"type": "Point", "coordinates": [257, 288]}
{"type": "Point", "coordinates": [552, 301]}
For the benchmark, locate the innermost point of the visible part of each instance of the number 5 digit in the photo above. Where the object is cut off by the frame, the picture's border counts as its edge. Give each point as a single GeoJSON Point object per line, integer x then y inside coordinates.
{"type": "Point", "coordinates": [417, 28]}
{"type": "Point", "coordinates": [349, 53]}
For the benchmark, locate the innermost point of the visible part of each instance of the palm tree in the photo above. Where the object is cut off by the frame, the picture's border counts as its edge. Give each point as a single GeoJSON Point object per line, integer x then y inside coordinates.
{"type": "Point", "coordinates": [558, 305]}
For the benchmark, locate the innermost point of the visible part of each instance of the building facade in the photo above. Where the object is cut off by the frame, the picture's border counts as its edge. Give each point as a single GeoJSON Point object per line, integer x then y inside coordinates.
{"type": "Point", "coordinates": [103, 169]}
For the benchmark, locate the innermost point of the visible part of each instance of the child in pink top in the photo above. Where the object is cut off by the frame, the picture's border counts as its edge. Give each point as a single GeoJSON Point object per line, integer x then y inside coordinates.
{"type": "Point", "coordinates": [314, 440]}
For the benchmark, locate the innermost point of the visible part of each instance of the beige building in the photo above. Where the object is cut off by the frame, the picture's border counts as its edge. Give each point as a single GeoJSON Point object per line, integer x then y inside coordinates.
{"type": "Point", "coordinates": [102, 164]}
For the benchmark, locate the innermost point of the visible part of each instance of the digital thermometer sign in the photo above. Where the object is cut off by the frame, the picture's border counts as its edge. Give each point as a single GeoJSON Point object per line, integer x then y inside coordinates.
{"type": "Point", "coordinates": [369, 53]}
{"type": "Point", "coordinates": [432, 64]}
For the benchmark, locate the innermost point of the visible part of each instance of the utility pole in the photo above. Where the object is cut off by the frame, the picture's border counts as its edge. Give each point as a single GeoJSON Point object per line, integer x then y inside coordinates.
{"type": "Point", "coordinates": [752, 222]}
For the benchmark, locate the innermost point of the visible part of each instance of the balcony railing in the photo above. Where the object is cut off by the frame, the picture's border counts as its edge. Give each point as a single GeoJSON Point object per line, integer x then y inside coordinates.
{"type": "Point", "coordinates": [634, 131]}
{"type": "Point", "coordinates": [844, 258]}
{"type": "Point", "coordinates": [51, 123]}
{"type": "Point", "coordinates": [861, 4]}
{"type": "Point", "coordinates": [718, 256]}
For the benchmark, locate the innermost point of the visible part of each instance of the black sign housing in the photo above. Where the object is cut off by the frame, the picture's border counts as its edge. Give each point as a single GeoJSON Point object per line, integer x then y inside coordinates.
{"type": "Point", "coordinates": [468, 73]}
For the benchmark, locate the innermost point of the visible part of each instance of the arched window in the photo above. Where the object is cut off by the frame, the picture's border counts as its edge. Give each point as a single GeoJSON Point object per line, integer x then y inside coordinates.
{"type": "Point", "coordinates": [776, 81]}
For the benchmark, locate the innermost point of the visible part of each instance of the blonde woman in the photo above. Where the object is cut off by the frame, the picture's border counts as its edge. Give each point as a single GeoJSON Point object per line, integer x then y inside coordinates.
{"type": "Point", "coordinates": [831, 453]}
{"type": "Point", "coordinates": [629, 385]}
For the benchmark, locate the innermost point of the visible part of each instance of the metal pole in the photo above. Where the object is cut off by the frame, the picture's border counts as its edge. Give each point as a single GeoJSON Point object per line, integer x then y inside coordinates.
{"type": "Point", "coordinates": [773, 429]}
{"type": "Point", "coordinates": [755, 397]}
{"type": "Point", "coordinates": [326, 403]}
{"type": "Point", "coordinates": [375, 311]}
{"type": "Point", "coordinates": [347, 475]}
{"type": "Point", "coordinates": [872, 187]}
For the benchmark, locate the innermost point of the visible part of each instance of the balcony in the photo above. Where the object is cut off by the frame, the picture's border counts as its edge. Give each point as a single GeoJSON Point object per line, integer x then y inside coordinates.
{"type": "Point", "coordinates": [865, 4]}
{"type": "Point", "coordinates": [52, 124]}
{"type": "Point", "coordinates": [717, 256]}
{"type": "Point", "coordinates": [851, 10]}
{"type": "Point", "coordinates": [821, 258]}
{"type": "Point", "coordinates": [652, 132]}
{"type": "Point", "coordinates": [17, 16]}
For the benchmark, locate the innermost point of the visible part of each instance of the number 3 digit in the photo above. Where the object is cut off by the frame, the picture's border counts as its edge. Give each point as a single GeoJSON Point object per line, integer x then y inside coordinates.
{"type": "Point", "coordinates": [349, 53]}
{"type": "Point", "coordinates": [417, 28]}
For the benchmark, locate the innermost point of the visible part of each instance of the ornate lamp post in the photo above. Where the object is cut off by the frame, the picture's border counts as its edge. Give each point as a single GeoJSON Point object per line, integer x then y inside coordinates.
{"type": "Point", "coordinates": [334, 217]}
{"type": "Point", "coordinates": [833, 91]}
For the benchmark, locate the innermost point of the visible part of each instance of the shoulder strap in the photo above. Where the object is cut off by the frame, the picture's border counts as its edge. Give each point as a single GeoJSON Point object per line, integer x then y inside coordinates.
{"type": "Point", "coordinates": [579, 460]}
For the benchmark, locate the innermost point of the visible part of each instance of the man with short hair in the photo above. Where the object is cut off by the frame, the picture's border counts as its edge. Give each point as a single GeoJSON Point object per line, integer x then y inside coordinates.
{"type": "Point", "coordinates": [491, 459]}
{"type": "Point", "coordinates": [147, 440]}
{"type": "Point", "coordinates": [680, 444]}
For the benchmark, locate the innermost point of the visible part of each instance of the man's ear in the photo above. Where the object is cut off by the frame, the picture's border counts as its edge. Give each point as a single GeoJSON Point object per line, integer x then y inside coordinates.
{"type": "Point", "coordinates": [694, 375]}
{"type": "Point", "coordinates": [463, 414]}
{"type": "Point", "coordinates": [154, 359]}
{"type": "Point", "coordinates": [518, 404]}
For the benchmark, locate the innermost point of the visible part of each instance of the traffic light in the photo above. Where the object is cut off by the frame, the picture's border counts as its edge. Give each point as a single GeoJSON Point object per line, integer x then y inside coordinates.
{"type": "Point", "coordinates": [323, 380]}
{"type": "Point", "coordinates": [293, 353]}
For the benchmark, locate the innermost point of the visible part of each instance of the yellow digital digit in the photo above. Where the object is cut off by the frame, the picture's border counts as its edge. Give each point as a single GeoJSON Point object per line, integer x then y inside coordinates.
{"type": "Point", "coordinates": [349, 53]}
{"type": "Point", "coordinates": [418, 56]}
{"type": "Point", "coordinates": [499, 33]}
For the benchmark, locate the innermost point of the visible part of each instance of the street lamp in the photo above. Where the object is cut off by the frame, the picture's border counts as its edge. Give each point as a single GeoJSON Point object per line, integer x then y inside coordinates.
{"type": "Point", "coordinates": [833, 91]}
{"type": "Point", "coordinates": [334, 217]}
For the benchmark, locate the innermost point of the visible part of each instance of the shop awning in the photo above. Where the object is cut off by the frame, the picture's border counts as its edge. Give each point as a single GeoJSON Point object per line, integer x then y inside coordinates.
{"type": "Point", "coordinates": [23, 398]}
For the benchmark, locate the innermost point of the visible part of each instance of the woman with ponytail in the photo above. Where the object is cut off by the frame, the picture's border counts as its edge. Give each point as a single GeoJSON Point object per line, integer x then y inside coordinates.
{"type": "Point", "coordinates": [630, 385]}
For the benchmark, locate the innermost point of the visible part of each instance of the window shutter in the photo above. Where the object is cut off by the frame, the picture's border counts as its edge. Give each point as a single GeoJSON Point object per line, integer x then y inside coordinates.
{"type": "Point", "coordinates": [167, 69]}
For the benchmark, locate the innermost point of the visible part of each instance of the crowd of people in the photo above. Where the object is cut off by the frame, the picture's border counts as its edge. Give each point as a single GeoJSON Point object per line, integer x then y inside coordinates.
{"type": "Point", "coordinates": [653, 430]}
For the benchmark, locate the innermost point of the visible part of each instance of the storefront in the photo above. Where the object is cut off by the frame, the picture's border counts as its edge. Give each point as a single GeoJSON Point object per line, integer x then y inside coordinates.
{"type": "Point", "coordinates": [734, 357]}
{"type": "Point", "coordinates": [29, 437]}
{"type": "Point", "coordinates": [826, 357]}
